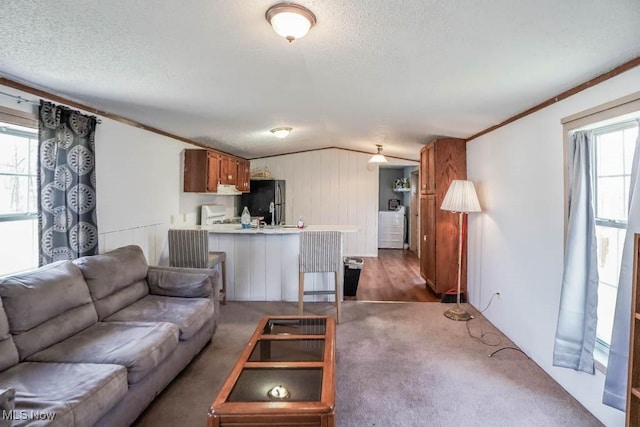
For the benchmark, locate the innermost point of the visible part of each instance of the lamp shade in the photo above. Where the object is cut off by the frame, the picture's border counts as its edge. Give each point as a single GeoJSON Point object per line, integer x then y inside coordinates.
{"type": "Point", "coordinates": [461, 197]}
{"type": "Point", "coordinates": [378, 157]}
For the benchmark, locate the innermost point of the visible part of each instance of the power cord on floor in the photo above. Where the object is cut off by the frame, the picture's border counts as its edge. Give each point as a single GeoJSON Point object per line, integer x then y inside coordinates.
{"type": "Point", "coordinates": [509, 348]}
{"type": "Point", "coordinates": [483, 334]}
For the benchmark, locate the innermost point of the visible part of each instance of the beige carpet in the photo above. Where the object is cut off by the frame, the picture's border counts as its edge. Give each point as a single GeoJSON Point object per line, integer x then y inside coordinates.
{"type": "Point", "coordinates": [398, 364]}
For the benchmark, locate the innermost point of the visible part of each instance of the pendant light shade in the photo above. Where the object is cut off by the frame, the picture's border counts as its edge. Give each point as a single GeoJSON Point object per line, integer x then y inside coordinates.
{"type": "Point", "coordinates": [290, 21]}
{"type": "Point", "coordinates": [378, 157]}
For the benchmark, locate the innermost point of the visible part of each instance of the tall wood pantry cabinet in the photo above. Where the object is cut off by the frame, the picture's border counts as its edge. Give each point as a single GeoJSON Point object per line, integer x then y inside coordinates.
{"type": "Point", "coordinates": [441, 161]}
{"type": "Point", "coordinates": [633, 378]}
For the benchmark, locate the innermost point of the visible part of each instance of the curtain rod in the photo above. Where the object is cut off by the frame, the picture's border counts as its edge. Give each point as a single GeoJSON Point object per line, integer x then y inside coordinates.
{"type": "Point", "coordinates": [21, 100]}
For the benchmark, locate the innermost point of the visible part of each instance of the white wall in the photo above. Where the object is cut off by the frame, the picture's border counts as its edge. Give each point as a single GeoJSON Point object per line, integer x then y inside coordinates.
{"type": "Point", "coordinates": [139, 189]}
{"type": "Point", "coordinates": [139, 185]}
{"type": "Point", "coordinates": [516, 243]}
{"type": "Point", "coordinates": [385, 187]}
{"type": "Point", "coordinates": [331, 186]}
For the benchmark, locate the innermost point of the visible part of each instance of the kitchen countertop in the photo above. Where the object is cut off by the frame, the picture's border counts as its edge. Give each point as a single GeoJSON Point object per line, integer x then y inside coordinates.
{"type": "Point", "coordinates": [287, 229]}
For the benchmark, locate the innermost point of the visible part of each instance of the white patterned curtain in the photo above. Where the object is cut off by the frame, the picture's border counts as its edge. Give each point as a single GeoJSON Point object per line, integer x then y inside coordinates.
{"type": "Point", "coordinates": [66, 184]}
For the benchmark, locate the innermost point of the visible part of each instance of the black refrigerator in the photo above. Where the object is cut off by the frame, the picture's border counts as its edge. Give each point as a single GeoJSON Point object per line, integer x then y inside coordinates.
{"type": "Point", "coordinates": [262, 193]}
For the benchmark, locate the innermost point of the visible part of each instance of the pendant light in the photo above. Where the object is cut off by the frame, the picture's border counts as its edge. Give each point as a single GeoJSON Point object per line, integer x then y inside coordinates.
{"type": "Point", "coordinates": [378, 157]}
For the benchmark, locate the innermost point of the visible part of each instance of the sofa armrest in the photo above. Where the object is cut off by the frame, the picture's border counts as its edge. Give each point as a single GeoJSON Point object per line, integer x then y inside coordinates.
{"type": "Point", "coordinates": [7, 403]}
{"type": "Point", "coordinates": [183, 282]}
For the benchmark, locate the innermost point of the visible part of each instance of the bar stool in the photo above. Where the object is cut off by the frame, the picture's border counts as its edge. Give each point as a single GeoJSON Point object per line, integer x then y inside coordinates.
{"type": "Point", "coordinates": [190, 249]}
{"type": "Point", "coordinates": [320, 252]}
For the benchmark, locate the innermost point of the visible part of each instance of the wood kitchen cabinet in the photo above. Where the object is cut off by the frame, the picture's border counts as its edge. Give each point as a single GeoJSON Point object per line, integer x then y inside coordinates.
{"type": "Point", "coordinates": [244, 175]}
{"type": "Point", "coordinates": [633, 379]}
{"type": "Point", "coordinates": [427, 174]}
{"type": "Point", "coordinates": [441, 161]}
{"type": "Point", "coordinates": [228, 169]}
{"type": "Point", "coordinates": [205, 169]}
{"type": "Point", "coordinates": [201, 171]}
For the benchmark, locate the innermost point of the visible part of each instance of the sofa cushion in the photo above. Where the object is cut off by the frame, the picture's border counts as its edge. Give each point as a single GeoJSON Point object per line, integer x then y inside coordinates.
{"type": "Point", "coordinates": [8, 350]}
{"type": "Point", "coordinates": [75, 394]}
{"type": "Point", "coordinates": [188, 314]}
{"type": "Point", "coordinates": [116, 278]}
{"type": "Point", "coordinates": [46, 305]}
{"type": "Point", "coordinates": [174, 283]}
{"type": "Point", "coordinates": [137, 346]}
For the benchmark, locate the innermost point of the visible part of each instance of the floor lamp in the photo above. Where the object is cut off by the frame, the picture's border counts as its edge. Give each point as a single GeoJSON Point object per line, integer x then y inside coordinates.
{"type": "Point", "coordinates": [461, 198]}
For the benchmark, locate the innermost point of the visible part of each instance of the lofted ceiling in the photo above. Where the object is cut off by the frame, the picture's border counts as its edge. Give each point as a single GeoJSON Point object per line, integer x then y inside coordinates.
{"type": "Point", "coordinates": [396, 73]}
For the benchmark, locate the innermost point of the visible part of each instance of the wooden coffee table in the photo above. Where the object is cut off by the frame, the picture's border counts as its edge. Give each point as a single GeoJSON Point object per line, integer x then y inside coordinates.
{"type": "Point", "coordinates": [284, 376]}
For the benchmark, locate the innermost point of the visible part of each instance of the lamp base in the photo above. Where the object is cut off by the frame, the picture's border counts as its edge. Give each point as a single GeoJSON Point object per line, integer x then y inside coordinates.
{"type": "Point", "coordinates": [457, 313]}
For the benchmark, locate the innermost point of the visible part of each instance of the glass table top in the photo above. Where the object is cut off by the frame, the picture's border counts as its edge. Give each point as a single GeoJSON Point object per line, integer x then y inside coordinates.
{"type": "Point", "coordinates": [310, 326]}
{"type": "Point", "coordinates": [288, 351]}
{"type": "Point", "coordinates": [294, 385]}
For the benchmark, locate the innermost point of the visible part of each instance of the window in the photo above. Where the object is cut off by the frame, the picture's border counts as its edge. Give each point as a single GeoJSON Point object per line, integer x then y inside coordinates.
{"type": "Point", "coordinates": [614, 147]}
{"type": "Point", "coordinates": [18, 194]}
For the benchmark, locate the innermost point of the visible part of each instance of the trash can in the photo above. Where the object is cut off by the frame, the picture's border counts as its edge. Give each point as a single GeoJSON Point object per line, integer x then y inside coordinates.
{"type": "Point", "coordinates": [352, 269]}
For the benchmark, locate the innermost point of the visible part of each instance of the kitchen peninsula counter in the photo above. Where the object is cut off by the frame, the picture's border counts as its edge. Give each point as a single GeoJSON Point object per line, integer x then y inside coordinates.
{"type": "Point", "coordinates": [287, 229]}
{"type": "Point", "coordinates": [262, 264]}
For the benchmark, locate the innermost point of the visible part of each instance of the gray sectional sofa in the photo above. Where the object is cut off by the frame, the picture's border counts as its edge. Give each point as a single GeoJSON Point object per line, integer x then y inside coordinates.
{"type": "Point", "coordinates": [93, 341]}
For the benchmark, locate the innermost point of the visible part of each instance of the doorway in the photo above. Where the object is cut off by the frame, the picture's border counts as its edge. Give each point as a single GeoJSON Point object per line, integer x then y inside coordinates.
{"type": "Point", "coordinates": [414, 220]}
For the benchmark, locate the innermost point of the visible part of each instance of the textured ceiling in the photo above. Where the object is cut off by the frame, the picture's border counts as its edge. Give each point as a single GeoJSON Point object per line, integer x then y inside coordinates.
{"type": "Point", "coordinates": [371, 71]}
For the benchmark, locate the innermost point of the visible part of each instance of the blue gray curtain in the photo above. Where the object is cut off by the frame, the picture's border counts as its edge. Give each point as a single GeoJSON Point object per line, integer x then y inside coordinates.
{"type": "Point", "coordinates": [615, 386]}
{"type": "Point", "coordinates": [66, 184]}
{"type": "Point", "coordinates": [577, 318]}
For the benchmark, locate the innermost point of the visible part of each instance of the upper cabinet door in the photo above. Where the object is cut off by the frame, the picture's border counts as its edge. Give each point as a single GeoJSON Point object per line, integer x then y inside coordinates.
{"type": "Point", "coordinates": [195, 171]}
{"type": "Point", "coordinates": [213, 171]}
{"type": "Point", "coordinates": [423, 170]}
{"type": "Point", "coordinates": [228, 169]}
{"type": "Point", "coordinates": [431, 167]}
{"type": "Point", "coordinates": [243, 175]}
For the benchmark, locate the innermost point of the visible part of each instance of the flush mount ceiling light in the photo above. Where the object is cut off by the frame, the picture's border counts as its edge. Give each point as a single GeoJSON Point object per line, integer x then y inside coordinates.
{"type": "Point", "coordinates": [281, 132]}
{"type": "Point", "coordinates": [290, 21]}
{"type": "Point", "coordinates": [378, 157]}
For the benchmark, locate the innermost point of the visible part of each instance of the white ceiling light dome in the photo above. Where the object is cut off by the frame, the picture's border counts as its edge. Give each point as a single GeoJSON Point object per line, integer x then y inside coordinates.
{"type": "Point", "coordinates": [282, 132]}
{"type": "Point", "coordinates": [290, 20]}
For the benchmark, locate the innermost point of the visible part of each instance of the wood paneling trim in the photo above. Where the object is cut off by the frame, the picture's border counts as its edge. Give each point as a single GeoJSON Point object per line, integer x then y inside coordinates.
{"type": "Point", "coordinates": [56, 98]}
{"type": "Point", "coordinates": [564, 95]}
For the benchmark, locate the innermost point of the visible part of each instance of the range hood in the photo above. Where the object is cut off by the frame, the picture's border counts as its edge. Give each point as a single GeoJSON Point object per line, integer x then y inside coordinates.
{"type": "Point", "coordinates": [227, 190]}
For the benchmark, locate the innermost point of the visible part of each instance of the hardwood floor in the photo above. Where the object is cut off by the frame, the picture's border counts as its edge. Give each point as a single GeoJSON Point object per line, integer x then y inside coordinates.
{"type": "Point", "coordinates": [393, 276]}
